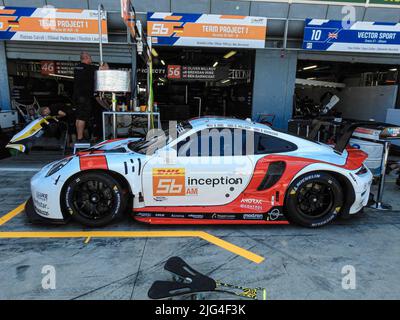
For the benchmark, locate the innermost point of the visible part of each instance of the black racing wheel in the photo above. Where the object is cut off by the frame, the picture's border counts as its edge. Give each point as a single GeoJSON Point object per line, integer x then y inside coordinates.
{"type": "Point", "coordinates": [314, 199]}
{"type": "Point", "coordinates": [94, 199]}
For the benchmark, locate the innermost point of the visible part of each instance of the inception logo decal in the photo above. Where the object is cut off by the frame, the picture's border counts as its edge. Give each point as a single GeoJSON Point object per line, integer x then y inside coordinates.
{"type": "Point", "coordinates": [173, 182]}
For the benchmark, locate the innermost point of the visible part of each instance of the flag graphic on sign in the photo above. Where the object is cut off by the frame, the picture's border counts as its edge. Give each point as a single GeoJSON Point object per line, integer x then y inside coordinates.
{"type": "Point", "coordinates": [332, 35]}
{"type": "Point", "coordinates": [13, 24]}
{"type": "Point", "coordinates": [178, 29]}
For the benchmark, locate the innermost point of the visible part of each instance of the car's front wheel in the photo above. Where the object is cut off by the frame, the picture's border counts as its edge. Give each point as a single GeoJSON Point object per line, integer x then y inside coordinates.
{"type": "Point", "coordinates": [94, 199]}
{"type": "Point", "coordinates": [314, 199]}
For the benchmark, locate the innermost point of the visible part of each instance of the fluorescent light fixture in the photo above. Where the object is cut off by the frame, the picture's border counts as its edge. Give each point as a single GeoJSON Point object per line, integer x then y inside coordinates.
{"type": "Point", "coordinates": [215, 64]}
{"type": "Point", "coordinates": [394, 69]}
{"type": "Point", "coordinates": [60, 76]}
{"type": "Point", "coordinates": [310, 67]}
{"type": "Point", "coordinates": [313, 78]}
{"type": "Point", "coordinates": [162, 62]}
{"type": "Point", "coordinates": [230, 54]}
{"type": "Point", "coordinates": [154, 52]}
{"type": "Point", "coordinates": [225, 81]}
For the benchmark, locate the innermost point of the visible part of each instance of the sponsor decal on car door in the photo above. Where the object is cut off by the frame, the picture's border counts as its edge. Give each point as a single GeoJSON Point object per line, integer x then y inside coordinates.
{"type": "Point", "coordinates": [168, 182]}
{"type": "Point", "coordinates": [204, 183]}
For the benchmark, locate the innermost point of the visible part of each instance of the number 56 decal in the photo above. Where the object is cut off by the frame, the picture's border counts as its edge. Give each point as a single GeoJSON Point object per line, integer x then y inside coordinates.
{"type": "Point", "coordinates": [158, 29]}
{"type": "Point", "coordinates": [168, 182]}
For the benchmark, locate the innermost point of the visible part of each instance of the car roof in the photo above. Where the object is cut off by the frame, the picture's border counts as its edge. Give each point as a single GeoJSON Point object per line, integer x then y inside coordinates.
{"type": "Point", "coordinates": [203, 121]}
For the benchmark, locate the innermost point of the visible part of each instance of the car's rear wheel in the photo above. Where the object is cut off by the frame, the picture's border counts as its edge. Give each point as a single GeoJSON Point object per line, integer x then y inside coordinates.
{"type": "Point", "coordinates": [314, 199]}
{"type": "Point", "coordinates": [94, 199]}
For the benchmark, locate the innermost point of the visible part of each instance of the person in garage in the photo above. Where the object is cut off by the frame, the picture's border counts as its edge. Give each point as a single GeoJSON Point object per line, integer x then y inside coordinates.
{"type": "Point", "coordinates": [62, 113]}
{"type": "Point", "coordinates": [83, 96]}
{"type": "Point", "coordinates": [58, 110]}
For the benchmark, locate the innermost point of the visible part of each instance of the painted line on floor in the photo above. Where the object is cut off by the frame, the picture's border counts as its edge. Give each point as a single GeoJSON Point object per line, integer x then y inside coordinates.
{"type": "Point", "coordinates": [135, 234]}
{"type": "Point", "coordinates": [13, 213]}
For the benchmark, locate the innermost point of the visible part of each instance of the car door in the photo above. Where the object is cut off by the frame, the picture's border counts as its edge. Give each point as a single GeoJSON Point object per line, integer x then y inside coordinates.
{"type": "Point", "coordinates": [205, 168]}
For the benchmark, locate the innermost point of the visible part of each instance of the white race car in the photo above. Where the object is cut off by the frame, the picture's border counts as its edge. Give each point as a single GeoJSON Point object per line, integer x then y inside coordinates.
{"type": "Point", "coordinates": [210, 171]}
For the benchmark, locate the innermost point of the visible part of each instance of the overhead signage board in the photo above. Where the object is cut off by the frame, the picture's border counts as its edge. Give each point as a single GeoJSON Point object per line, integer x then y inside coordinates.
{"type": "Point", "coordinates": [197, 73]}
{"type": "Point", "coordinates": [206, 30]}
{"type": "Point", "coordinates": [386, 2]}
{"type": "Point", "coordinates": [360, 36]}
{"type": "Point", "coordinates": [379, 2]}
{"type": "Point", "coordinates": [51, 24]}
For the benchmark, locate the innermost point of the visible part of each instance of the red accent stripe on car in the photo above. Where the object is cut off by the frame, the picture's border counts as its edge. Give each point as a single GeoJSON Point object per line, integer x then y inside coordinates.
{"type": "Point", "coordinates": [93, 162]}
{"type": "Point", "coordinates": [202, 221]}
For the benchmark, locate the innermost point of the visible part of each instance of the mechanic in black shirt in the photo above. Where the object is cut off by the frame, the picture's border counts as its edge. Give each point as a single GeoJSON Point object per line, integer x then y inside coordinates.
{"type": "Point", "coordinates": [84, 76]}
{"type": "Point", "coordinates": [62, 112]}
{"type": "Point", "coordinates": [59, 110]}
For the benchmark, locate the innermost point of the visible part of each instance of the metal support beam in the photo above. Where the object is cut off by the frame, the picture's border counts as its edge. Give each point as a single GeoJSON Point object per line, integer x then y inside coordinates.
{"type": "Point", "coordinates": [5, 101]}
{"type": "Point", "coordinates": [134, 74]}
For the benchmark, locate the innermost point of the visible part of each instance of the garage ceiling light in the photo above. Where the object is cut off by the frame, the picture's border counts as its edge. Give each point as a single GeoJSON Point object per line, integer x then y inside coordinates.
{"type": "Point", "coordinates": [215, 64]}
{"type": "Point", "coordinates": [154, 52]}
{"type": "Point", "coordinates": [163, 62]}
{"type": "Point", "coordinates": [225, 81]}
{"type": "Point", "coordinates": [394, 69]}
{"type": "Point", "coordinates": [230, 54]}
{"type": "Point", "coordinates": [310, 67]}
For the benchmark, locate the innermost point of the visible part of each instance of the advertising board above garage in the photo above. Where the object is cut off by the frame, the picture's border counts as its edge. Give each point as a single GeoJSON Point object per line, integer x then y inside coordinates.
{"type": "Point", "coordinates": [206, 30]}
{"type": "Point", "coordinates": [51, 24]}
{"type": "Point", "coordinates": [356, 2]}
{"type": "Point", "coordinates": [359, 36]}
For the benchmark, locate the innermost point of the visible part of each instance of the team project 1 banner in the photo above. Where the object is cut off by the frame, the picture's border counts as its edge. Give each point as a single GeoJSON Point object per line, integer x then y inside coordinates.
{"type": "Point", "coordinates": [51, 24]}
{"type": "Point", "coordinates": [206, 30]}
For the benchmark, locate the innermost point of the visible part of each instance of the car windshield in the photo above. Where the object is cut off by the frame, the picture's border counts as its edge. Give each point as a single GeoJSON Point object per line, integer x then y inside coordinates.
{"type": "Point", "coordinates": [154, 141]}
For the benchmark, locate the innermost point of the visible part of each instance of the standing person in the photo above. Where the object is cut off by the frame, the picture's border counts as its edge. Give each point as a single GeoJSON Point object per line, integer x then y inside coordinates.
{"type": "Point", "coordinates": [84, 74]}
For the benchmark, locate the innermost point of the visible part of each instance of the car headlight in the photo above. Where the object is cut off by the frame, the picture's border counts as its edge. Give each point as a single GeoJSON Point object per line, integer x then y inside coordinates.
{"type": "Point", "coordinates": [58, 166]}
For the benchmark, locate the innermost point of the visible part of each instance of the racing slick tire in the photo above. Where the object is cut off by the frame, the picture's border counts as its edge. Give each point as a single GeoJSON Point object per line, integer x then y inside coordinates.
{"type": "Point", "coordinates": [313, 200]}
{"type": "Point", "coordinates": [94, 199]}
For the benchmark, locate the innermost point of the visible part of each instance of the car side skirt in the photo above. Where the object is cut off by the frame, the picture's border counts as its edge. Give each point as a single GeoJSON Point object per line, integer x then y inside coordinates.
{"type": "Point", "coordinates": [274, 216]}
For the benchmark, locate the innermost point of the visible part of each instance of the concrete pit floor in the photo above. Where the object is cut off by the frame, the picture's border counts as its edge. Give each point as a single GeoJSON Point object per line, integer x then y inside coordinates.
{"type": "Point", "coordinates": [298, 263]}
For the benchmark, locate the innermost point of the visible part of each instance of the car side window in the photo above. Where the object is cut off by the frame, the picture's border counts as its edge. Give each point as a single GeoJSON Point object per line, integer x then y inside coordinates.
{"type": "Point", "coordinates": [218, 142]}
{"type": "Point", "coordinates": [265, 144]}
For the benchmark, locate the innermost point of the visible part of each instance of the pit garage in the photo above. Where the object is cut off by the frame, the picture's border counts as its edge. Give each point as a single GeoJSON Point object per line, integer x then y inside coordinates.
{"type": "Point", "coordinates": [192, 82]}
{"type": "Point", "coordinates": [363, 91]}
{"type": "Point", "coordinates": [353, 258]}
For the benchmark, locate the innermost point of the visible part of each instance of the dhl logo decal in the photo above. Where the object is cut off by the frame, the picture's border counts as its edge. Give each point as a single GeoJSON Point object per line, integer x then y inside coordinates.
{"type": "Point", "coordinates": [168, 171]}
{"type": "Point", "coordinates": [168, 182]}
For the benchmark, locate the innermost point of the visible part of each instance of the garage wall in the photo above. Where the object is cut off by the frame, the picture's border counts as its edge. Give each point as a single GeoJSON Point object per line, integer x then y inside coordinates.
{"type": "Point", "coordinates": [366, 103]}
{"type": "Point", "coordinates": [274, 83]}
{"type": "Point", "coordinates": [114, 53]}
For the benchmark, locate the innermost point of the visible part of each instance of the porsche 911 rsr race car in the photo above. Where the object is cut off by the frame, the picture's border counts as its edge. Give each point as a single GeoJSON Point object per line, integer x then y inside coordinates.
{"type": "Point", "coordinates": [204, 171]}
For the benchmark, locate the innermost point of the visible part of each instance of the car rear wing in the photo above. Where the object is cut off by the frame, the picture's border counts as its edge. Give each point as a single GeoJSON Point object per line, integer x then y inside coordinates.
{"type": "Point", "coordinates": [347, 128]}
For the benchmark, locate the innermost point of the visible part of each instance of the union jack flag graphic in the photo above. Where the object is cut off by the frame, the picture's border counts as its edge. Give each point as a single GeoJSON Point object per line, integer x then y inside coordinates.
{"type": "Point", "coordinates": [332, 35]}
